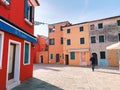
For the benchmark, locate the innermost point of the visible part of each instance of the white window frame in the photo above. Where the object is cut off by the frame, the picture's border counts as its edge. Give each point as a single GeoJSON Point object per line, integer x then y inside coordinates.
{"type": "Point", "coordinates": [2, 42]}
{"type": "Point", "coordinates": [29, 52]}
{"type": "Point", "coordinates": [6, 2]}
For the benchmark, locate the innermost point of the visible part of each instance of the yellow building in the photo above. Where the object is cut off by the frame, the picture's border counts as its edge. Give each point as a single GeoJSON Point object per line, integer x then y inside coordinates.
{"type": "Point", "coordinates": [76, 47]}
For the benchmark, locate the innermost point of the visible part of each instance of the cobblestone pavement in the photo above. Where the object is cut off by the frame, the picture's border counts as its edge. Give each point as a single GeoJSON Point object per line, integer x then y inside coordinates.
{"type": "Point", "coordinates": [62, 77]}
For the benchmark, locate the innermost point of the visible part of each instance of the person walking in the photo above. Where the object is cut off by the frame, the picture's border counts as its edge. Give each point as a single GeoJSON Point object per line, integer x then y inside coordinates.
{"type": "Point", "coordinates": [93, 62]}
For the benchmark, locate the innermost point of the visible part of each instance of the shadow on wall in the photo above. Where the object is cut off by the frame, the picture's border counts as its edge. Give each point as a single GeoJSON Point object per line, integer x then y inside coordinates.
{"type": "Point", "coordinates": [36, 84]}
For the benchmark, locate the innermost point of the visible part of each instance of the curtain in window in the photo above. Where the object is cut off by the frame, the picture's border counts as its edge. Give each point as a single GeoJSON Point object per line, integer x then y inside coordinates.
{"type": "Point", "coordinates": [26, 8]}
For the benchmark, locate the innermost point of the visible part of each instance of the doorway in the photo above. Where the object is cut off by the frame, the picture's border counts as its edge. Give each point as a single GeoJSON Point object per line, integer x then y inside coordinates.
{"type": "Point", "coordinates": [96, 58]}
{"type": "Point", "coordinates": [11, 61]}
{"type": "Point", "coordinates": [57, 57]}
{"type": "Point", "coordinates": [13, 65]}
{"type": "Point", "coordinates": [67, 59]}
{"type": "Point", "coordinates": [41, 59]}
{"type": "Point", "coordinates": [83, 59]}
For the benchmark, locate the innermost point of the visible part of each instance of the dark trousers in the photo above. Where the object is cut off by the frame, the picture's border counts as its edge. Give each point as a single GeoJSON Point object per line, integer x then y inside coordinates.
{"type": "Point", "coordinates": [93, 67]}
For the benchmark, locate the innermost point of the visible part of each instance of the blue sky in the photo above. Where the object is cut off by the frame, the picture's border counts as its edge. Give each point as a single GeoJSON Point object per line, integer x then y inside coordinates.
{"type": "Point", "coordinates": [74, 11]}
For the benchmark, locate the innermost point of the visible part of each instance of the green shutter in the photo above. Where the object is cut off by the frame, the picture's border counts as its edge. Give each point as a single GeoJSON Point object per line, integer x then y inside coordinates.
{"type": "Point", "coordinates": [51, 56]}
{"type": "Point", "coordinates": [72, 55]}
{"type": "Point", "coordinates": [26, 8]}
{"type": "Point", "coordinates": [26, 53]}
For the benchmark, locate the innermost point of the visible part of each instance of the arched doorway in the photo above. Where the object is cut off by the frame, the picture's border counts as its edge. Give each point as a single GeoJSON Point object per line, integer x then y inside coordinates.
{"type": "Point", "coordinates": [95, 56]}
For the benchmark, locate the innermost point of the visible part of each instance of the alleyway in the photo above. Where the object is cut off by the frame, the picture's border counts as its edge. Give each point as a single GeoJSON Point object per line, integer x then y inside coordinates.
{"type": "Point", "coordinates": [61, 77]}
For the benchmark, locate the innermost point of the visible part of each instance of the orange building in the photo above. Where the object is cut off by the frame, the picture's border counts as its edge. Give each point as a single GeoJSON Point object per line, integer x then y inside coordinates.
{"type": "Point", "coordinates": [56, 42]}
{"type": "Point", "coordinates": [76, 47]}
{"type": "Point", "coordinates": [41, 50]}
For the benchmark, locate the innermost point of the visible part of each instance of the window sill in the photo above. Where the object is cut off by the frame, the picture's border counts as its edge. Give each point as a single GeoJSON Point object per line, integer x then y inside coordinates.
{"type": "Point", "coordinates": [26, 64]}
{"type": "Point", "coordinates": [28, 22]}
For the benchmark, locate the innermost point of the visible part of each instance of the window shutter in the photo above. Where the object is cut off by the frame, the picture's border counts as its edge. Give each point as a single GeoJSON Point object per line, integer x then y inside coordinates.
{"type": "Point", "coordinates": [8, 1]}
{"type": "Point", "coordinates": [26, 55]}
{"type": "Point", "coordinates": [26, 8]}
{"type": "Point", "coordinates": [31, 14]}
{"type": "Point", "coordinates": [72, 55]}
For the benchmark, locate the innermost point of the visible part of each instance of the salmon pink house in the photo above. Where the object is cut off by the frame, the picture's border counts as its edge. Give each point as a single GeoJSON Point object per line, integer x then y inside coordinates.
{"type": "Point", "coordinates": [16, 41]}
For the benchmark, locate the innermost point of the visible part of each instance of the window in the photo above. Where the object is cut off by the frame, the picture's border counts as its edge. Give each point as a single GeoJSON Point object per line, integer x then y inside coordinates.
{"type": "Point", "coordinates": [51, 56]}
{"type": "Point", "coordinates": [51, 41]}
{"type": "Point", "coordinates": [28, 12]}
{"type": "Point", "coordinates": [92, 27]}
{"type": "Point", "coordinates": [101, 38]}
{"type": "Point", "coordinates": [1, 47]}
{"type": "Point", "coordinates": [93, 39]}
{"type": "Point", "coordinates": [102, 55]}
{"type": "Point", "coordinates": [63, 56]}
{"type": "Point", "coordinates": [82, 41]}
{"type": "Point", "coordinates": [6, 1]}
{"type": "Point", "coordinates": [61, 41]}
{"type": "Point", "coordinates": [26, 52]}
{"type": "Point", "coordinates": [68, 42]}
{"type": "Point", "coordinates": [100, 25]}
{"type": "Point", "coordinates": [68, 30]}
{"type": "Point", "coordinates": [61, 28]}
{"type": "Point", "coordinates": [81, 29]}
{"type": "Point", "coordinates": [51, 30]}
{"type": "Point", "coordinates": [72, 55]}
{"type": "Point", "coordinates": [119, 36]}
{"type": "Point", "coordinates": [118, 22]}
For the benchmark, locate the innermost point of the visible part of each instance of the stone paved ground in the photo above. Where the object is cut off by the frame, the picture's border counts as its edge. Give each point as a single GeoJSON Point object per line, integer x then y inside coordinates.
{"type": "Point", "coordinates": [61, 77]}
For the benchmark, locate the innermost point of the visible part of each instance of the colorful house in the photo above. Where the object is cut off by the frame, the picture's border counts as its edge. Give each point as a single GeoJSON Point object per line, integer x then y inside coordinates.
{"type": "Point", "coordinates": [55, 36]}
{"type": "Point", "coordinates": [41, 50]}
{"type": "Point", "coordinates": [76, 47]}
{"type": "Point", "coordinates": [103, 33]}
{"type": "Point", "coordinates": [16, 41]}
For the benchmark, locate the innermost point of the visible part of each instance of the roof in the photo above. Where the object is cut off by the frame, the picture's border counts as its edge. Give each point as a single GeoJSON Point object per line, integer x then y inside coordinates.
{"type": "Point", "coordinates": [93, 21]}
{"type": "Point", "coordinates": [59, 23]}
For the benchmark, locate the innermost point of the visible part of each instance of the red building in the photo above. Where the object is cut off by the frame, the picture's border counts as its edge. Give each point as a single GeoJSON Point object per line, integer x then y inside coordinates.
{"type": "Point", "coordinates": [16, 41]}
{"type": "Point", "coordinates": [41, 49]}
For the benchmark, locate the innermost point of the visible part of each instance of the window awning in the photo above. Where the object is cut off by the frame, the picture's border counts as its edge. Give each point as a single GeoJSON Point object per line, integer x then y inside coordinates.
{"type": "Point", "coordinates": [114, 46]}
{"type": "Point", "coordinates": [9, 27]}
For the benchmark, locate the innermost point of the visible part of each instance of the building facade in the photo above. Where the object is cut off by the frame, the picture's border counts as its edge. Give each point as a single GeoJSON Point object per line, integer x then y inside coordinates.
{"type": "Point", "coordinates": [76, 47]}
{"type": "Point", "coordinates": [55, 36]}
{"type": "Point", "coordinates": [41, 50]}
{"type": "Point", "coordinates": [104, 32]}
{"type": "Point", "coordinates": [16, 41]}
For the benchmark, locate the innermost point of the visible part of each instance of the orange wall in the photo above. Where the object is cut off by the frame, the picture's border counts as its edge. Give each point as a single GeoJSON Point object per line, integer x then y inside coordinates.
{"type": "Point", "coordinates": [113, 57]}
{"type": "Point", "coordinates": [75, 36]}
{"type": "Point", "coordinates": [45, 57]}
{"type": "Point", "coordinates": [41, 44]}
{"type": "Point", "coordinates": [57, 48]}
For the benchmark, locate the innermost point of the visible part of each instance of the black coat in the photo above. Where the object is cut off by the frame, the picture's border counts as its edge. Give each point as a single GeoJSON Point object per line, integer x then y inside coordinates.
{"type": "Point", "coordinates": [93, 61]}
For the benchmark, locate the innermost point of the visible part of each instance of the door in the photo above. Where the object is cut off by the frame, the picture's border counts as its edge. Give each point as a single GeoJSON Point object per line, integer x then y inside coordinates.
{"type": "Point", "coordinates": [11, 62]}
{"type": "Point", "coordinates": [41, 57]}
{"type": "Point", "coordinates": [83, 58]}
{"type": "Point", "coordinates": [66, 59]}
{"type": "Point", "coordinates": [57, 57]}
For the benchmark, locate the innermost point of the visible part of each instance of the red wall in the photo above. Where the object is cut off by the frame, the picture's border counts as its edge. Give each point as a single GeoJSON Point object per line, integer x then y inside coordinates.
{"type": "Point", "coordinates": [41, 43]}
{"type": "Point", "coordinates": [15, 14]}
